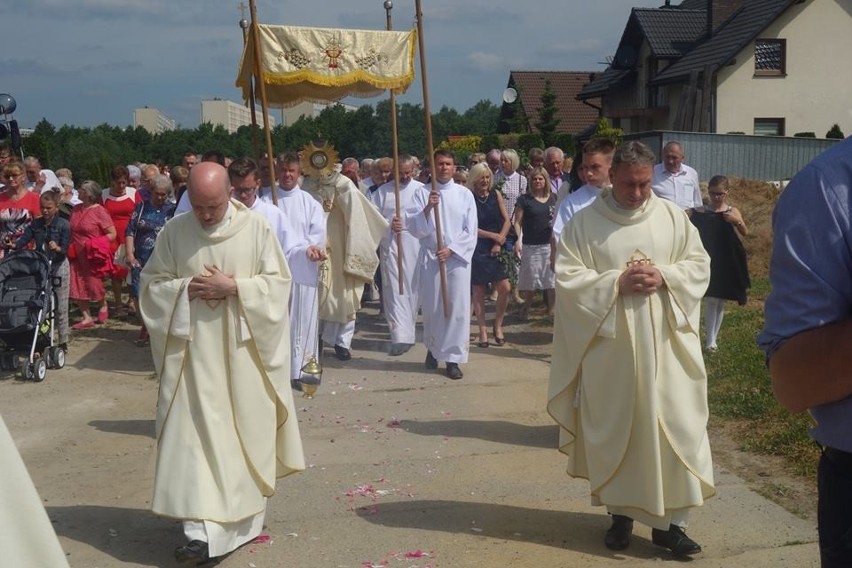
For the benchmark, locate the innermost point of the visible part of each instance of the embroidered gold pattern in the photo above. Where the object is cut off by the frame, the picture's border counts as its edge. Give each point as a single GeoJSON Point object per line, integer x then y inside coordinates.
{"type": "Point", "coordinates": [295, 57]}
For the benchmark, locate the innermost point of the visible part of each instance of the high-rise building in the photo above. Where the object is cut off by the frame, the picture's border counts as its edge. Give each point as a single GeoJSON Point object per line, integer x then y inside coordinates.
{"type": "Point", "coordinates": [308, 109]}
{"type": "Point", "coordinates": [229, 115]}
{"type": "Point", "coordinates": [152, 120]}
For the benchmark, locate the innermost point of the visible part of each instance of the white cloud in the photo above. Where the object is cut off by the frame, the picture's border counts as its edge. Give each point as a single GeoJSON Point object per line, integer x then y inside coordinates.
{"type": "Point", "coordinates": [493, 61]}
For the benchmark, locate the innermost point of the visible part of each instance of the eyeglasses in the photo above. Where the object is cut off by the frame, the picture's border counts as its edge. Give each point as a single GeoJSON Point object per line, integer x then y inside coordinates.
{"type": "Point", "coordinates": [12, 176]}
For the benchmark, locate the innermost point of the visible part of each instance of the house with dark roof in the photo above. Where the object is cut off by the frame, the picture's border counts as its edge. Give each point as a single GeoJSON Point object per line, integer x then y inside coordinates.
{"type": "Point", "coordinates": [574, 115]}
{"type": "Point", "coordinates": [773, 67]}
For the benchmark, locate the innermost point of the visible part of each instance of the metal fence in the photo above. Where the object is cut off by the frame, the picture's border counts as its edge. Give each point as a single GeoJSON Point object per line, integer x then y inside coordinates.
{"type": "Point", "coordinates": [768, 158]}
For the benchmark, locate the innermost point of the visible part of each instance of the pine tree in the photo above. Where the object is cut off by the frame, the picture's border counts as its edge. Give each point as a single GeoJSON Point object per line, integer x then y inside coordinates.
{"type": "Point", "coordinates": [547, 121]}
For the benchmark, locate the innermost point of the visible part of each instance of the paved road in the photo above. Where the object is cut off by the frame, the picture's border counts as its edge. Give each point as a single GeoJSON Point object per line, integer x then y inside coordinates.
{"type": "Point", "coordinates": [406, 469]}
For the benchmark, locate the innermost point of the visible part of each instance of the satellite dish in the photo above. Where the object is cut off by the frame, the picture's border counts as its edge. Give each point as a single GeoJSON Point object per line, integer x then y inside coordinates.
{"type": "Point", "coordinates": [8, 105]}
{"type": "Point", "coordinates": [510, 95]}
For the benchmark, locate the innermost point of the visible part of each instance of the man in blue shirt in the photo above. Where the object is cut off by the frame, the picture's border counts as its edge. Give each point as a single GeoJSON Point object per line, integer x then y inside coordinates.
{"type": "Point", "coordinates": [808, 329]}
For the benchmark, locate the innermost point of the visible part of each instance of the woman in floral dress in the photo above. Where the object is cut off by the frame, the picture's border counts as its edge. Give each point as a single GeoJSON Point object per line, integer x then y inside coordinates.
{"type": "Point", "coordinates": [148, 218]}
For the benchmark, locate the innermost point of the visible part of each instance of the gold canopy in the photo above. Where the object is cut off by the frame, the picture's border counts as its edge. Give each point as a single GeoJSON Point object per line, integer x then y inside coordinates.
{"type": "Point", "coordinates": [324, 64]}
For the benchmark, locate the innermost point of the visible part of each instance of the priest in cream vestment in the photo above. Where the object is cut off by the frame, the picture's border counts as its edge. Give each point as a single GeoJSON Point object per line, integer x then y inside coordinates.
{"type": "Point", "coordinates": [628, 386]}
{"type": "Point", "coordinates": [354, 230]}
{"type": "Point", "coordinates": [26, 536]}
{"type": "Point", "coordinates": [214, 296]}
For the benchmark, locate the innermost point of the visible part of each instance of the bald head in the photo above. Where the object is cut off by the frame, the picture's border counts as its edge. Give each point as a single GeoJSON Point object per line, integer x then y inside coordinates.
{"type": "Point", "coordinates": [209, 191]}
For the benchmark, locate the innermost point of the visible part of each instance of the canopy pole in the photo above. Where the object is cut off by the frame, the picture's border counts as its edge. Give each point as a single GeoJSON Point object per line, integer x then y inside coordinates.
{"type": "Point", "coordinates": [431, 149]}
{"type": "Point", "coordinates": [250, 103]}
{"type": "Point", "coordinates": [388, 7]}
{"type": "Point", "coordinates": [264, 105]}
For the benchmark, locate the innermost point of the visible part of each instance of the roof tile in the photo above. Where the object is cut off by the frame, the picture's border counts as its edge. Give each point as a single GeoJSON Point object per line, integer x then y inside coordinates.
{"type": "Point", "coordinates": [573, 114]}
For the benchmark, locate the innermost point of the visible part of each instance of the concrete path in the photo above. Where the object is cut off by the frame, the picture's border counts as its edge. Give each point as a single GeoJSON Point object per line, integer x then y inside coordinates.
{"type": "Point", "coordinates": [406, 469]}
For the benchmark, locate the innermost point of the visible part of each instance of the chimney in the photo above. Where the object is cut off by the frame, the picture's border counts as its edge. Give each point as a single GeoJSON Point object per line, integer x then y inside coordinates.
{"type": "Point", "coordinates": [718, 11]}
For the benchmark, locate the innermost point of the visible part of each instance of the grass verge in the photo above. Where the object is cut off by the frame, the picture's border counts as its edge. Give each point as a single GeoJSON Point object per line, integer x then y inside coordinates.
{"type": "Point", "coordinates": [740, 391]}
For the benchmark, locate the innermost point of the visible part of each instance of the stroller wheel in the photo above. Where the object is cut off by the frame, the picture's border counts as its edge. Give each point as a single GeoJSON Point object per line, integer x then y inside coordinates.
{"type": "Point", "coordinates": [47, 355]}
{"type": "Point", "coordinates": [39, 370]}
{"type": "Point", "coordinates": [56, 357]}
{"type": "Point", "coordinates": [27, 370]}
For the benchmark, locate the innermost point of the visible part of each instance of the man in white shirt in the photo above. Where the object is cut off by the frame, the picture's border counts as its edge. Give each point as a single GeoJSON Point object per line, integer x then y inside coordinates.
{"type": "Point", "coordinates": [553, 158]}
{"type": "Point", "coordinates": [675, 181]}
{"type": "Point", "coordinates": [595, 168]}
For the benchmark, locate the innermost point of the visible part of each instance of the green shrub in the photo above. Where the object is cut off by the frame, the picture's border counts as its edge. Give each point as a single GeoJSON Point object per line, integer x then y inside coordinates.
{"type": "Point", "coordinates": [835, 132]}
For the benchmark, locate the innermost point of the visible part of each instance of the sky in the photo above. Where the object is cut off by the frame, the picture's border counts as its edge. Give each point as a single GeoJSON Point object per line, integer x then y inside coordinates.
{"type": "Point", "coordinates": [88, 62]}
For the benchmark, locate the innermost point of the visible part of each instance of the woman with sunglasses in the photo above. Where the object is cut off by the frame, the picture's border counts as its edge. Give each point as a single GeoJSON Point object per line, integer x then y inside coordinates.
{"type": "Point", "coordinates": [18, 205]}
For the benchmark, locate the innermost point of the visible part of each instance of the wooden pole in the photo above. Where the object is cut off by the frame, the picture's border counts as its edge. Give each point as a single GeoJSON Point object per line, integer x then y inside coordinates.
{"type": "Point", "coordinates": [430, 145]}
{"type": "Point", "coordinates": [254, 142]}
{"type": "Point", "coordinates": [395, 137]}
{"type": "Point", "coordinates": [264, 105]}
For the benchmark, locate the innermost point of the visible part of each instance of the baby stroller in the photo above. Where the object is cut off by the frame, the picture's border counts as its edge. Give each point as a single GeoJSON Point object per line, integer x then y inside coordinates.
{"type": "Point", "coordinates": [27, 306]}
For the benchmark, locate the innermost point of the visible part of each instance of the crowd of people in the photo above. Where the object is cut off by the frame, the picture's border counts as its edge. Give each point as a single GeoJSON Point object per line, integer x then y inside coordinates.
{"type": "Point", "coordinates": [232, 277]}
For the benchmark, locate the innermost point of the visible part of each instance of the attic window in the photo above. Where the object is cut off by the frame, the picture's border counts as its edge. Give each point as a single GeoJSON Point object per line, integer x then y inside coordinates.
{"type": "Point", "coordinates": [770, 57]}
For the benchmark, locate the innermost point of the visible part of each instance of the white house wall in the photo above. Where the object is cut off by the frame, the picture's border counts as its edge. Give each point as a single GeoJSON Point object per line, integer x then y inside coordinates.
{"type": "Point", "coordinates": [814, 94]}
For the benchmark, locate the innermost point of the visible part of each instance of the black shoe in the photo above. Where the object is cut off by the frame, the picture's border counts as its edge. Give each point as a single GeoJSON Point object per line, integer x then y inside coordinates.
{"type": "Point", "coordinates": [454, 372]}
{"type": "Point", "coordinates": [618, 535]}
{"type": "Point", "coordinates": [675, 540]}
{"type": "Point", "coordinates": [342, 353]}
{"type": "Point", "coordinates": [430, 362]}
{"type": "Point", "coordinates": [296, 384]}
{"type": "Point", "coordinates": [194, 552]}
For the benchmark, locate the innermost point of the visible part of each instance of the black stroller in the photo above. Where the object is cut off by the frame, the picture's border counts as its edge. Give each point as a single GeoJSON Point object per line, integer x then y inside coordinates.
{"type": "Point", "coordinates": [27, 308]}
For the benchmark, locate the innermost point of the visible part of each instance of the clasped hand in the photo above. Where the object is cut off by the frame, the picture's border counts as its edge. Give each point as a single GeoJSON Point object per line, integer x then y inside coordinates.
{"type": "Point", "coordinates": [645, 280]}
{"type": "Point", "coordinates": [315, 253]}
{"type": "Point", "coordinates": [214, 285]}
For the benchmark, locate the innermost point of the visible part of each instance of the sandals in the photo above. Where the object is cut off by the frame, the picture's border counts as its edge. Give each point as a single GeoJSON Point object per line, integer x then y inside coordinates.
{"type": "Point", "coordinates": [83, 325]}
{"type": "Point", "coordinates": [500, 341]}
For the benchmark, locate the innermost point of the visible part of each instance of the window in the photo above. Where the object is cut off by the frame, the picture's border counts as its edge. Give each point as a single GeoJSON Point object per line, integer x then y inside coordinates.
{"type": "Point", "coordinates": [769, 126]}
{"type": "Point", "coordinates": [770, 57]}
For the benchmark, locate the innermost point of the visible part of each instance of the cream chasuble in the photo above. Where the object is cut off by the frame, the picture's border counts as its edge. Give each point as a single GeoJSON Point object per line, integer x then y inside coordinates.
{"type": "Point", "coordinates": [627, 384]}
{"type": "Point", "coordinates": [226, 422]}
{"type": "Point", "coordinates": [354, 229]}
{"type": "Point", "coordinates": [26, 536]}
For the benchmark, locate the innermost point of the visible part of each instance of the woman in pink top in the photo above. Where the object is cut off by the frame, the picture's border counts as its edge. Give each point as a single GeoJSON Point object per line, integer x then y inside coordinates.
{"type": "Point", "coordinates": [119, 200]}
{"type": "Point", "coordinates": [88, 220]}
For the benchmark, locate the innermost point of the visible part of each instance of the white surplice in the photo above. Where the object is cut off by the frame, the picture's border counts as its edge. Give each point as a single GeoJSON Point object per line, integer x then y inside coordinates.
{"type": "Point", "coordinates": [400, 309]}
{"type": "Point", "coordinates": [307, 221]}
{"type": "Point", "coordinates": [446, 338]}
